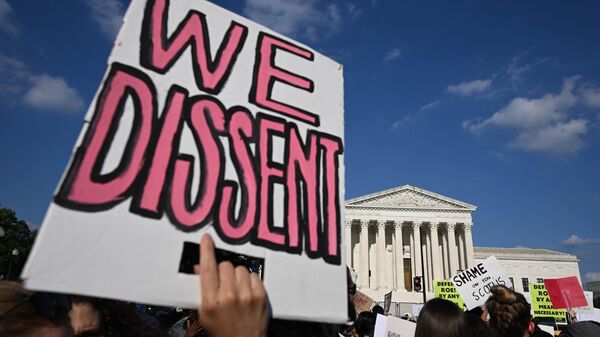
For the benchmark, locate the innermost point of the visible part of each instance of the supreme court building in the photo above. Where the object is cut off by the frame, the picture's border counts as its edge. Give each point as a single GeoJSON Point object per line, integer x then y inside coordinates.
{"type": "Point", "coordinates": [397, 234]}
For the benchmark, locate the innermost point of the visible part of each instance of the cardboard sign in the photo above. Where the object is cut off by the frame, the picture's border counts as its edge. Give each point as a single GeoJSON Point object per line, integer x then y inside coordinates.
{"type": "Point", "coordinates": [362, 302]}
{"type": "Point", "coordinates": [387, 302]}
{"type": "Point", "coordinates": [204, 122]}
{"type": "Point", "coordinates": [445, 289]}
{"type": "Point", "coordinates": [542, 306]}
{"type": "Point", "coordinates": [474, 283]}
{"type": "Point", "coordinates": [398, 327]}
{"type": "Point", "coordinates": [565, 292]}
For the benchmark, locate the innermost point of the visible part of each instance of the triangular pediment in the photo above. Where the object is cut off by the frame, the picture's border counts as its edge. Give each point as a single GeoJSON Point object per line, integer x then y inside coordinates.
{"type": "Point", "coordinates": [410, 197]}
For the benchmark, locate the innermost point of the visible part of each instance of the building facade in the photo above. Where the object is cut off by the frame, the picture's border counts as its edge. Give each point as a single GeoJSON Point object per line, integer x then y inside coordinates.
{"type": "Point", "coordinates": [405, 232]}
{"type": "Point", "coordinates": [529, 265]}
{"type": "Point", "coordinates": [594, 286]}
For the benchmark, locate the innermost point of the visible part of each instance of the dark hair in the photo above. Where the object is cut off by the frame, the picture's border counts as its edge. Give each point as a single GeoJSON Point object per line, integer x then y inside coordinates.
{"type": "Point", "coordinates": [120, 319]}
{"type": "Point", "coordinates": [25, 312]}
{"type": "Point", "coordinates": [289, 328]}
{"type": "Point", "coordinates": [509, 311]}
{"type": "Point", "coordinates": [377, 310]}
{"type": "Point", "coordinates": [478, 326]}
{"type": "Point", "coordinates": [442, 318]}
{"type": "Point", "coordinates": [365, 323]}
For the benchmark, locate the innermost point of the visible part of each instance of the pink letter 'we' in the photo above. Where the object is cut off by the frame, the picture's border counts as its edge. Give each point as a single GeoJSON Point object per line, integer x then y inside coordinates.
{"type": "Point", "coordinates": [159, 52]}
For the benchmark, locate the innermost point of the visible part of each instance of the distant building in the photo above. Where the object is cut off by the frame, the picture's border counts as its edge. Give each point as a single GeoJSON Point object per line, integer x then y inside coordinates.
{"type": "Point", "coordinates": [529, 265]}
{"type": "Point", "coordinates": [594, 286]}
{"type": "Point", "coordinates": [405, 232]}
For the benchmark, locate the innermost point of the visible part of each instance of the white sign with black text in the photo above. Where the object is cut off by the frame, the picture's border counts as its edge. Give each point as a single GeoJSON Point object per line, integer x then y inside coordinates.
{"type": "Point", "coordinates": [474, 283]}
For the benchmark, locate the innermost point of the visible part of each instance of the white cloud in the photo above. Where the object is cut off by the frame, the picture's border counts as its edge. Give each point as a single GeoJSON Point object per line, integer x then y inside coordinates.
{"type": "Point", "coordinates": [591, 97]}
{"type": "Point", "coordinates": [353, 11]}
{"type": "Point", "coordinates": [392, 55]}
{"type": "Point", "coordinates": [470, 88]}
{"type": "Point", "coordinates": [592, 276]}
{"type": "Point", "coordinates": [296, 17]}
{"type": "Point", "coordinates": [7, 22]}
{"type": "Point", "coordinates": [12, 74]}
{"type": "Point", "coordinates": [575, 240]}
{"type": "Point", "coordinates": [561, 139]}
{"type": "Point", "coordinates": [541, 124]}
{"type": "Point", "coordinates": [108, 14]}
{"type": "Point", "coordinates": [430, 105]}
{"type": "Point", "coordinates": [407, 119]}
{"type": "Point", "coordinates": [52, 93]}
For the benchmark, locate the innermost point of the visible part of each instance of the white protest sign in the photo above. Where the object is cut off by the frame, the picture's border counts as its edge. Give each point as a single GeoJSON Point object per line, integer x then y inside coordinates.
{"type": "Point", "coordinates": [474, 283]}
{"type": "Point", "coordinates": [589, 309]}
{"type": "Point", "coordinates": [547, 328]}
{"type": "Point", "coordinates": [204, 122]}
{"type": "Point", "coordinates": [398, 327]}
{"type": "Point", "coordinates": [380, 325]}
{"type": "Point", "coordinates": [593, 316]}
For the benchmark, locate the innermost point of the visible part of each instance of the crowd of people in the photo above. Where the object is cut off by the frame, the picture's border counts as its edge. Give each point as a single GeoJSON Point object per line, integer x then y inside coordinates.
{"type": "Point", "coordinates": [234, 303]}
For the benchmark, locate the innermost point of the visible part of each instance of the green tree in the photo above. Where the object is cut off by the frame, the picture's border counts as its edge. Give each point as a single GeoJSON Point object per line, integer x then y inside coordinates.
{"type": "Point", "coordinates": [16, 240]}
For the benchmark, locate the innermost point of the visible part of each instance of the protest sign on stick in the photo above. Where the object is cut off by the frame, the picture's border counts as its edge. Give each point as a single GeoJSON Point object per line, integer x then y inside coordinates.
{"type": "Point", "coordinates": [387, 302]}
{"type": "Point", "coordinates": [542, 305]}
{"type": "Point", "coordinates": [474, 283]}
{"type": "Point", "coordinates": [565, 292]}
{"type": "Point", "coordinates": [445, 289]}
{"type": "Point", "coordinates": [204, 122]}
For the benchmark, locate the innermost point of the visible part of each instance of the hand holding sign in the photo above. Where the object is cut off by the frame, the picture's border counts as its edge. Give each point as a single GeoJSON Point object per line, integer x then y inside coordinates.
{"type": "Point", "coordinates": [233, 301]}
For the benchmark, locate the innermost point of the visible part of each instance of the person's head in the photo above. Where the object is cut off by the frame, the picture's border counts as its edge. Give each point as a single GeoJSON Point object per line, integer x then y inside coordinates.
{"type": "Point", "coordinates": [377, 310]}
{"type": "Point", "coordinates": [509, 313]}
{"type": "Point", "coordinates": [24, 313]}
{"type": "Point", "coordinates": [442, 318]}
{"type": "Point", "coordinates": [93, 317]}
{"type": "Point", "coordinates": [365, 323]}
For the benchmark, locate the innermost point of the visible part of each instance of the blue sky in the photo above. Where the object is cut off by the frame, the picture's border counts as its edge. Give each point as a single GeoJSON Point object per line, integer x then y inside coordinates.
{"type": "Point", "coordinates": [489, 102]}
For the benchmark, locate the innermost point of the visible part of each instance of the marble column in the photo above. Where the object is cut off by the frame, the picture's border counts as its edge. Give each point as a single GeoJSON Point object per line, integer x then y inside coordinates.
{"type": "Point", "coordinates": [399, 256]}
{"type": "Point", "coordinates": [380, 254]}
{"type": "Point", "coordinates": [348, 233]}
{"type": "Point", "coordinates": [452, 250]}
{"type": "Point", "coordinates": [444, 257]}
{"type": "Point", "coordinates": [427, 259]}
{"type": "Point", "coordinates": [462, 260]}
{"type": "Point", "coordinates": [411, 243]}
{"type": "Point", "coordinates": [364, 254]}
{"type": "Point", "coordinates": [435, 252]}
{"type": "Point", "coordinates": [470, 253]}
{"type": "Point", "coordinates": [417, 248]}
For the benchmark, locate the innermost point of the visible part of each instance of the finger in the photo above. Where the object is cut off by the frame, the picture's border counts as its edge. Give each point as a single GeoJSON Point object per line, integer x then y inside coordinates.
{"type": "Point", "coordinates": [259, 294]}
{"type": "Point", "coordinates": [227, 281]}
{"type": "Point", "coordinates": [209, 278]}
{"type": "Point", "coordinates": [242, 280]}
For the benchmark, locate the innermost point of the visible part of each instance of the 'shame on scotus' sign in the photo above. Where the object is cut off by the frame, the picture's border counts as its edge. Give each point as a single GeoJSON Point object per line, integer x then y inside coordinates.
{"type": "Point", "coordinates": [205, 121]}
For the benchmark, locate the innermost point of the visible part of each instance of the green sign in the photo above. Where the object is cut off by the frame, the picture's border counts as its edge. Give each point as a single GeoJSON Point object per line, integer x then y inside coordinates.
{"type": "Point", "coordinates": [446, 290]}
{"type": "Point", "coordinates": [542, 306]}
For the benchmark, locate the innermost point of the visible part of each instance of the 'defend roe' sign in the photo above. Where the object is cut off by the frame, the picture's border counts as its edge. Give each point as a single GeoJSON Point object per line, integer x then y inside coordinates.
{"type": "Point", "coordinates": [204, 122]}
